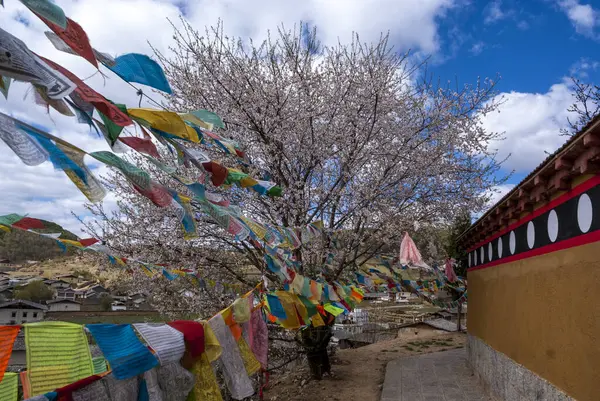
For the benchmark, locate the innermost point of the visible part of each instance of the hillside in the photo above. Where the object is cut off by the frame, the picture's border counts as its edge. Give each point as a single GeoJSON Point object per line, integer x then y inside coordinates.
{"type": "Point", "coordinates": [61, 265]}
{"type": "Point", "coordinates": [19, 246]}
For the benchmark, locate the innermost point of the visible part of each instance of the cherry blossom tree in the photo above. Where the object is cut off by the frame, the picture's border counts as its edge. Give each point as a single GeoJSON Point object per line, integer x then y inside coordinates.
{"type": "Point", "coordinates": [359, 136]}
{"type": "Point", "coordinates": [585, 107]}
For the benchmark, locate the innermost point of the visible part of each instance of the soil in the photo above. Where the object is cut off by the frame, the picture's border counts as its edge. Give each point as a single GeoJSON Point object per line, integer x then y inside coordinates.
{"type": "Point", "coordinates": [358, 373]}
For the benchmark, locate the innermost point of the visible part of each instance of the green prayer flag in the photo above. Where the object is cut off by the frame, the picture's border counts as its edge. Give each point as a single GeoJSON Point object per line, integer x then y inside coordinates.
{"type": "Point", "coordinates": [234, 176]}
{"type": "Point", "coordinates": [208, 117]}
{"type": "Point", "coordinates": [311, 308]}
{"type": "Point", "coordinates": [275, 191]}
{"type": "Point", "coordinates": [10, 219]}
{"type": "Point", "coordinates": [136, 175]}
{"type": "Point", "coordinates": [9, 386]}
{"type": "Point", "coordinates": [5, 84]}
{"type": "Point", "coordinates": [113, 130]}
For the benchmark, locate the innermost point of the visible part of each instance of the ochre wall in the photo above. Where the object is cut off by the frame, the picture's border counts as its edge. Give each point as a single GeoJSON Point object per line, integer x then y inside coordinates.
{"type": "Point", "coordinates": [544, 313]}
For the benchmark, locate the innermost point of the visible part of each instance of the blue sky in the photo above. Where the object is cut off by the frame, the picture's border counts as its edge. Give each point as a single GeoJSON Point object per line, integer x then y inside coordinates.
{"type": "Point", "coordinates": [534, 45]}
{"type": "Point", "coordinates": [530, 44]}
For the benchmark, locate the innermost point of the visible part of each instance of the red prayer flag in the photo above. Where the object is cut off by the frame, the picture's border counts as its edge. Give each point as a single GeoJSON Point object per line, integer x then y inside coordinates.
{"type": "Point", "coordinates": [89, 95]}
{"type": "Point", "coordinates": [193, 334]}
{"type": "Point", "coordinates": [158, 194]}
{"type": "Point", "coordinates": [28, 223]}
{"type": "Point", "coordinates": [219, 173]}
{"type": "Point", "coordinates": [88, 241]}
{"type": "Point", "coordinates": [75, 37]}
{"type": "Point", "coordinates": [142, 145]}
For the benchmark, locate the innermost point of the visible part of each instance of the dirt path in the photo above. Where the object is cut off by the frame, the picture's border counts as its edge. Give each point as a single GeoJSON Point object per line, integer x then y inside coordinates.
{"type": "Point", "coordinates": [358, 373]}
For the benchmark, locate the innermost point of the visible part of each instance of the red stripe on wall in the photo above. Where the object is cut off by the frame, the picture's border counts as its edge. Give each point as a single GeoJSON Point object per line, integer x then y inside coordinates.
{"type": "Point", "coordinates": [558, 246]}
{"type": "Point", "coordinates": [578, 190]}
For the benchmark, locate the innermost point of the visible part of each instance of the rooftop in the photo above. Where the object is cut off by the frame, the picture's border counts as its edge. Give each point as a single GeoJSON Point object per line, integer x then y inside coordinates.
{"type": "Point", "coordinates": [22, 302]}
{"type": "Point", "coordinates": [56, 301]}
{"type": "Point", "coordinates": [578, 156]}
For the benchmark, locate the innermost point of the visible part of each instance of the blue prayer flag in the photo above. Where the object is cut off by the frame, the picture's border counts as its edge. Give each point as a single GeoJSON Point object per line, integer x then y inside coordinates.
{"type": "Point", "coordinates": [276, 307]}
{"type": "Point", "coordinates": [133, 67]}
{"type": "Point", "coordinates": [125, 353]}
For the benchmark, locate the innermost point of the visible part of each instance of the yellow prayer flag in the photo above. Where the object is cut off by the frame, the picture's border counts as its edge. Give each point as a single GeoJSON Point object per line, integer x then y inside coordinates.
{"type": "Point", "coordinates": [71, 242]}
{"type": "Point", "coordinates": [212, 347]}
{"type": "Point", "coordinates": [248, 182]}
{"type": "Point", "coordinates": [166, 121]}
{"type": "Point", "coordinates": [251, 364]}
{"type": "Point", "coordinates": [206, 387]}
{"type": "Point", "coordinates": [195, 120]}
{"type": "Point", "coordinates": [317, 320]}
{"type": "Point", "coordinates": [256, 228]}
{"type": "Point", "coordinates": [288, 301]}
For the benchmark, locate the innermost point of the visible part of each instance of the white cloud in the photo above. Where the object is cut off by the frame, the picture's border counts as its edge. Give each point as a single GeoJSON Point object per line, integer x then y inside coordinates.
{"type": "Point", "coordinates": [477, 48]}
{"type": "Point", "coordinates": [583, 67]}
{"type": "Point", "coordinates": [531, 123]}
{"type": "Point", "coordinates": [583, 16]}
{"type": "Point", "coordinates": [493, 195]}
{"type": "Point", "coordinates": [497, 193]}
{"type": "Point", "coordinates": [494, 13]}
{"type": "Point", "coordinates": [122, 26]}
{"type": "Point", "coordinates": [411, 23]}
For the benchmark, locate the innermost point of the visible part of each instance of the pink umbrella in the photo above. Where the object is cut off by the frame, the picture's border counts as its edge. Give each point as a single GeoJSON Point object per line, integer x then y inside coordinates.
{"type": "Point", "coordinates": [409, 254]}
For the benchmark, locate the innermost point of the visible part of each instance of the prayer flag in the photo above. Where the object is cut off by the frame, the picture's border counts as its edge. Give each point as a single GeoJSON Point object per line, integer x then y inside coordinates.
{"type": "Point", "coordinates": [57, 354]}
{"type": "Point", "coordinates": [8, 334]}
{"type": "Point", "coordinates": [22, 64]}
{"type": "Point", "coordinates": [48, 10]}
{"type": "Point", "coordinates": [208, 117]}
{"type": "Point", "coordinates": [164, 340]}
{"type": "Point", "coordinates": [9, 387]}
{"type": "Point", "coordinates": [133, 67]}
{"type": "Point", "coordinates": [125, 353]}
{"type": "Point", "coordinates": [74, 36]}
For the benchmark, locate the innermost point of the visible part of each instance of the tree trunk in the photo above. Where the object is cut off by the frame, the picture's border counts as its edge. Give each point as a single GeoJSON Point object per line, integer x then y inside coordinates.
{"type": "Point", "coordinates": [314, 340]}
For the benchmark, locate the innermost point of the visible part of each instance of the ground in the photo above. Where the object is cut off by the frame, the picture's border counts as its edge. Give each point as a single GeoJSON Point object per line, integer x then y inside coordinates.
{"type": "Point", "coordinates": [437, 376]}
{"type": "Point", "coordinates": [358, 373]}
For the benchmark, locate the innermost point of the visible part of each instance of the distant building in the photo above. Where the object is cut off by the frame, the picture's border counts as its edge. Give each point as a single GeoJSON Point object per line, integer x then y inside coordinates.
{"type": "Point", "coordinates": [67, 293]}
{"type": "Point", "coordinates": [21, 311]}
{"type": "Point", "coordinates": [116, 306]}
{"type": "Point", "coordinates": [57, 284]}
{"type": "Point", "coordinates": [97, 289]}
{"type": "Point", "coordinates": [64, 305]}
